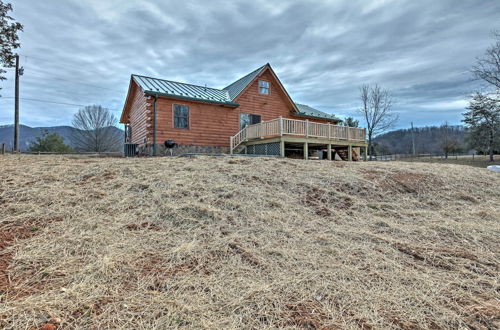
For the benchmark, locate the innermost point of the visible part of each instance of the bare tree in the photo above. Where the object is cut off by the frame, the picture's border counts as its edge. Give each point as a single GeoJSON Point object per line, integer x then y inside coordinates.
{"type": "Point", "coordinates": [95, 130]}
{"type": "Point", "coordinates": [377, 111]}
{"type": "Point", "coordinates": [487, 67]}
{"type": "Point", "coordinates": [449, 144]}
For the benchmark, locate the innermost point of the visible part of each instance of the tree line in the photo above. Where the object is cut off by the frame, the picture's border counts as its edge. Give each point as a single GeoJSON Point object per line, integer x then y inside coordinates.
{"type": "Point", "coordinates": [445, 139]}
{"type": "Point", "coordinates": [481, 118]}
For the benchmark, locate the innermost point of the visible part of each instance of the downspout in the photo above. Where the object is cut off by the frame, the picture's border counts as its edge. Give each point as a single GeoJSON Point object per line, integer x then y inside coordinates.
{"type": "Point", "coordinates": [154, 125]}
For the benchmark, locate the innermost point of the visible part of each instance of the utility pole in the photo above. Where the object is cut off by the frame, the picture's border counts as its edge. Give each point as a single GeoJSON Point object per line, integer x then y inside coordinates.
{"type": "Point", "coordinates": [19, 72]}
{"type": "Point", "coordinates": [412, 139]}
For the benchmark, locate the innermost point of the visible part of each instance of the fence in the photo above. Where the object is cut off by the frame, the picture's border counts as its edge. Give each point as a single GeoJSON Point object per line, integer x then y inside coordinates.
{"type": "Point", "coordinates": [417, 157]}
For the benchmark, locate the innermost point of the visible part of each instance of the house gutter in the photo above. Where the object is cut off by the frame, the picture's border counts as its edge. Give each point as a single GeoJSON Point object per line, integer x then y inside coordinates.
{"type": "Point", "coordinates": [154, 125]}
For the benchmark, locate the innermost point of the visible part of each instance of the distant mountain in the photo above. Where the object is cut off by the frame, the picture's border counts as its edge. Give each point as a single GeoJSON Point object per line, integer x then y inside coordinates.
{"type": "Point", "coordinates": [27, 134]}
{"type": "Point", "coordinates": [428, 139]}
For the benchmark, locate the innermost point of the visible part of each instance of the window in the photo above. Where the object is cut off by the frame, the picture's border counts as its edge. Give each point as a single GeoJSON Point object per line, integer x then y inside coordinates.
{"type": "Point", "coordinates": [248, 119]}
{"type": "Point", "coordinates": [181, 116]}
{"type": "Point", "coordinates": [263, 87]}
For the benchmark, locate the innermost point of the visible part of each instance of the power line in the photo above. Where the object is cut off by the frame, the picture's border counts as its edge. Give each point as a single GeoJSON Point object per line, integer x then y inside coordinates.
{"type": "Point", "coordinates": [54, 78]}
{"type": "Point", "coordinates": [53, 102]}
{"type": "Point", "coordinates": [59, 64]}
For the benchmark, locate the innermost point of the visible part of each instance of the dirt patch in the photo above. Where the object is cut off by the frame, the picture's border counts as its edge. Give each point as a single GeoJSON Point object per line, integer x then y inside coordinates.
{"type": "Point", "coordinates": [403, 182]}
{"type": "Point", "coordinates": [448, 259]}
{"type": "Point", "coordinates": [371, 174]}
{"type": "Point", "coordinates": [9, 235]}
{"type": "Point", "coordinates": [322, 200]}
{"type": "Point", "coordinates": [142, 226]}
{"type": "Point", "coordinates": [237, 161]}
{"type": "Point", "coordinates": [308, 315]}
{"type": "Point", "coordinates": [245, 255]}
{"type": "Point", "coordinates": [96, 177]}
{"type": "Point", "coordinates": [159, 267]}
{"type": "Point", "coordinates": [90, 310]}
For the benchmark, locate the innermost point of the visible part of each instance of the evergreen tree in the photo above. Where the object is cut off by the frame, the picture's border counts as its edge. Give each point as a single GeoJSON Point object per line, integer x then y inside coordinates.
{"type": "Point", "coordinates": [9, 39]}
{"type": "Point", "coordinates": [351, 122]}
{"type": "Point", "coordinates": [483, 119]}
{"type": "Point", "coordinates": [50, 142]}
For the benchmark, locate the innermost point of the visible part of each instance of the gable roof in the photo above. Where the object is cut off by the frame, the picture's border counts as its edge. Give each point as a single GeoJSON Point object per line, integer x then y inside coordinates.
{"type": "Point", "coordinates": [307, 111]}
{"type": "Point", "coordinates": [162, 87]}
{"type": "Point", "coordinates": [239, 85]}
{"type": "Point", "coordinates": [224, 96]}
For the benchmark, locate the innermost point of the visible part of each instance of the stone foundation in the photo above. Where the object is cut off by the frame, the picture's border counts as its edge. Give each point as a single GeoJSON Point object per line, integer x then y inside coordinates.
{"type": "Point", "coordinates": [147, 150]}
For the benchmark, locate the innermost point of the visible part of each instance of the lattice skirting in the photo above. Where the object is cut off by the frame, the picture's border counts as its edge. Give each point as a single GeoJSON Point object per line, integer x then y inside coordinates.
{"type": "Point", "coordinates": [267, 149]}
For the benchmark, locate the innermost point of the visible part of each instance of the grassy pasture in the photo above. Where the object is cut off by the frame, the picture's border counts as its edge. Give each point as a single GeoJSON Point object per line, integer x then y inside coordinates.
{"type": "Point", "coordinates": [476, 160]}
{"type": "Point", "coordinates": [234, 242]}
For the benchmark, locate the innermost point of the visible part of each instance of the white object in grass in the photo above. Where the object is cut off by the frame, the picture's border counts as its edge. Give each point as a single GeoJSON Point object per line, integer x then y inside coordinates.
{"type": "Point", "coordinates": [494, 168]}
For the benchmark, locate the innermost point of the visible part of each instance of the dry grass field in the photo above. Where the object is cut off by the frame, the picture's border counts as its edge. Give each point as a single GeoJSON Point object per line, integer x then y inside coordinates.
{"type": "Point", "coordinates": [476, 160]}
{"type": "Point", "coordinates": [229, 243]}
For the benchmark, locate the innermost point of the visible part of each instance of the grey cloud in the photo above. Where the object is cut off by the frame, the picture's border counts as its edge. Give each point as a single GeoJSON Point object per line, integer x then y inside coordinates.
{"type": "Point", "coordinates": [83, 52]}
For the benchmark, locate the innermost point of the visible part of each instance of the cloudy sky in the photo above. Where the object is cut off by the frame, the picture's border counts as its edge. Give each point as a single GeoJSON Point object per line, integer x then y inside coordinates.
{"type": "Point", "coordinates": [80, 52]}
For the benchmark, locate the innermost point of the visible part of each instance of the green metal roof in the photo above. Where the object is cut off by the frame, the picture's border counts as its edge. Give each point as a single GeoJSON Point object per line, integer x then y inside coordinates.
{"type": "Point", "coordinates": [307, 111]}
{"type": "Point", "coordinates": [225, 96]}
{"type": "Point", "coordinates": [239, 85]}
{"type": "Point", "coordinates": [170, 88]}
{"type": "Point", "coordinates": [175, 89]}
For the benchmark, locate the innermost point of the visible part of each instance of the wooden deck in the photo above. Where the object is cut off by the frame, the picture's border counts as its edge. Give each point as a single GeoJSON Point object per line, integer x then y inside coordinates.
{"type": "Point", "coordinates": [284, 130]}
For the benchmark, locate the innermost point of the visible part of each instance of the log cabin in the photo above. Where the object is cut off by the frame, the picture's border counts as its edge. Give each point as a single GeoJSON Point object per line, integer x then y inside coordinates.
{"type": "Point", "coordinates": [253, 115]}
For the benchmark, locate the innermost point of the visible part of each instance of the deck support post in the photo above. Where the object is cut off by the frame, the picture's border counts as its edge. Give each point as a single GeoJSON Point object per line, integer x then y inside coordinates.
{"type": "Point", "coordinates": [306, 150]}
{"type": "Point", "coordinates": [329, 152]}
{"type": "Point", "coordinates": [365, 157]}
{"type": "Point", "coordinates": [307, 128]}
{"type": "Point", "coordinates": [349, 153]}
{"type": "Point", "coordinates": [282, 148]}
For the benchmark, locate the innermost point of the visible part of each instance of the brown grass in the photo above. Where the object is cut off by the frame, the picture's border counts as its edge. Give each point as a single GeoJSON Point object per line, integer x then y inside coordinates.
{"type": "Point", "coordinates": [476, 161]}
{"type": "Point", "coordinates": [210, 242]}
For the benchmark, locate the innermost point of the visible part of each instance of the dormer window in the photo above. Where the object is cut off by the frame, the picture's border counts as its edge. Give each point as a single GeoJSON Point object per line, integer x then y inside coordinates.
{"type": "Point", "coordinates": [263, 87]}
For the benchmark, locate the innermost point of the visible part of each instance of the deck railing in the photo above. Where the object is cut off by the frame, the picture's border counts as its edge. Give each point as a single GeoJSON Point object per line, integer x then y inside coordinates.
{"type": "Point", "coordinates": [285, 126]}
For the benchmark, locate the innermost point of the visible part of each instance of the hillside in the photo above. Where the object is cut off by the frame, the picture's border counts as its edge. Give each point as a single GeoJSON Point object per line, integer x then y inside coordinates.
{"type": "Point", "coordinates": [28, 134]}
{"type": "Point", "coordinates": [427, 140]}
{"type": "Point", "coordinates": [225, 242]}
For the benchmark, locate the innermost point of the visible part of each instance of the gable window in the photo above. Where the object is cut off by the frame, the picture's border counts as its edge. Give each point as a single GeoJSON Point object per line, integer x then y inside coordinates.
{"type": "Point", "coordinates": [181, 116]}
{"type": "Point", "coordinates": [263, 87]}
{"type": "Point", "coordinates": [248, 119]}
